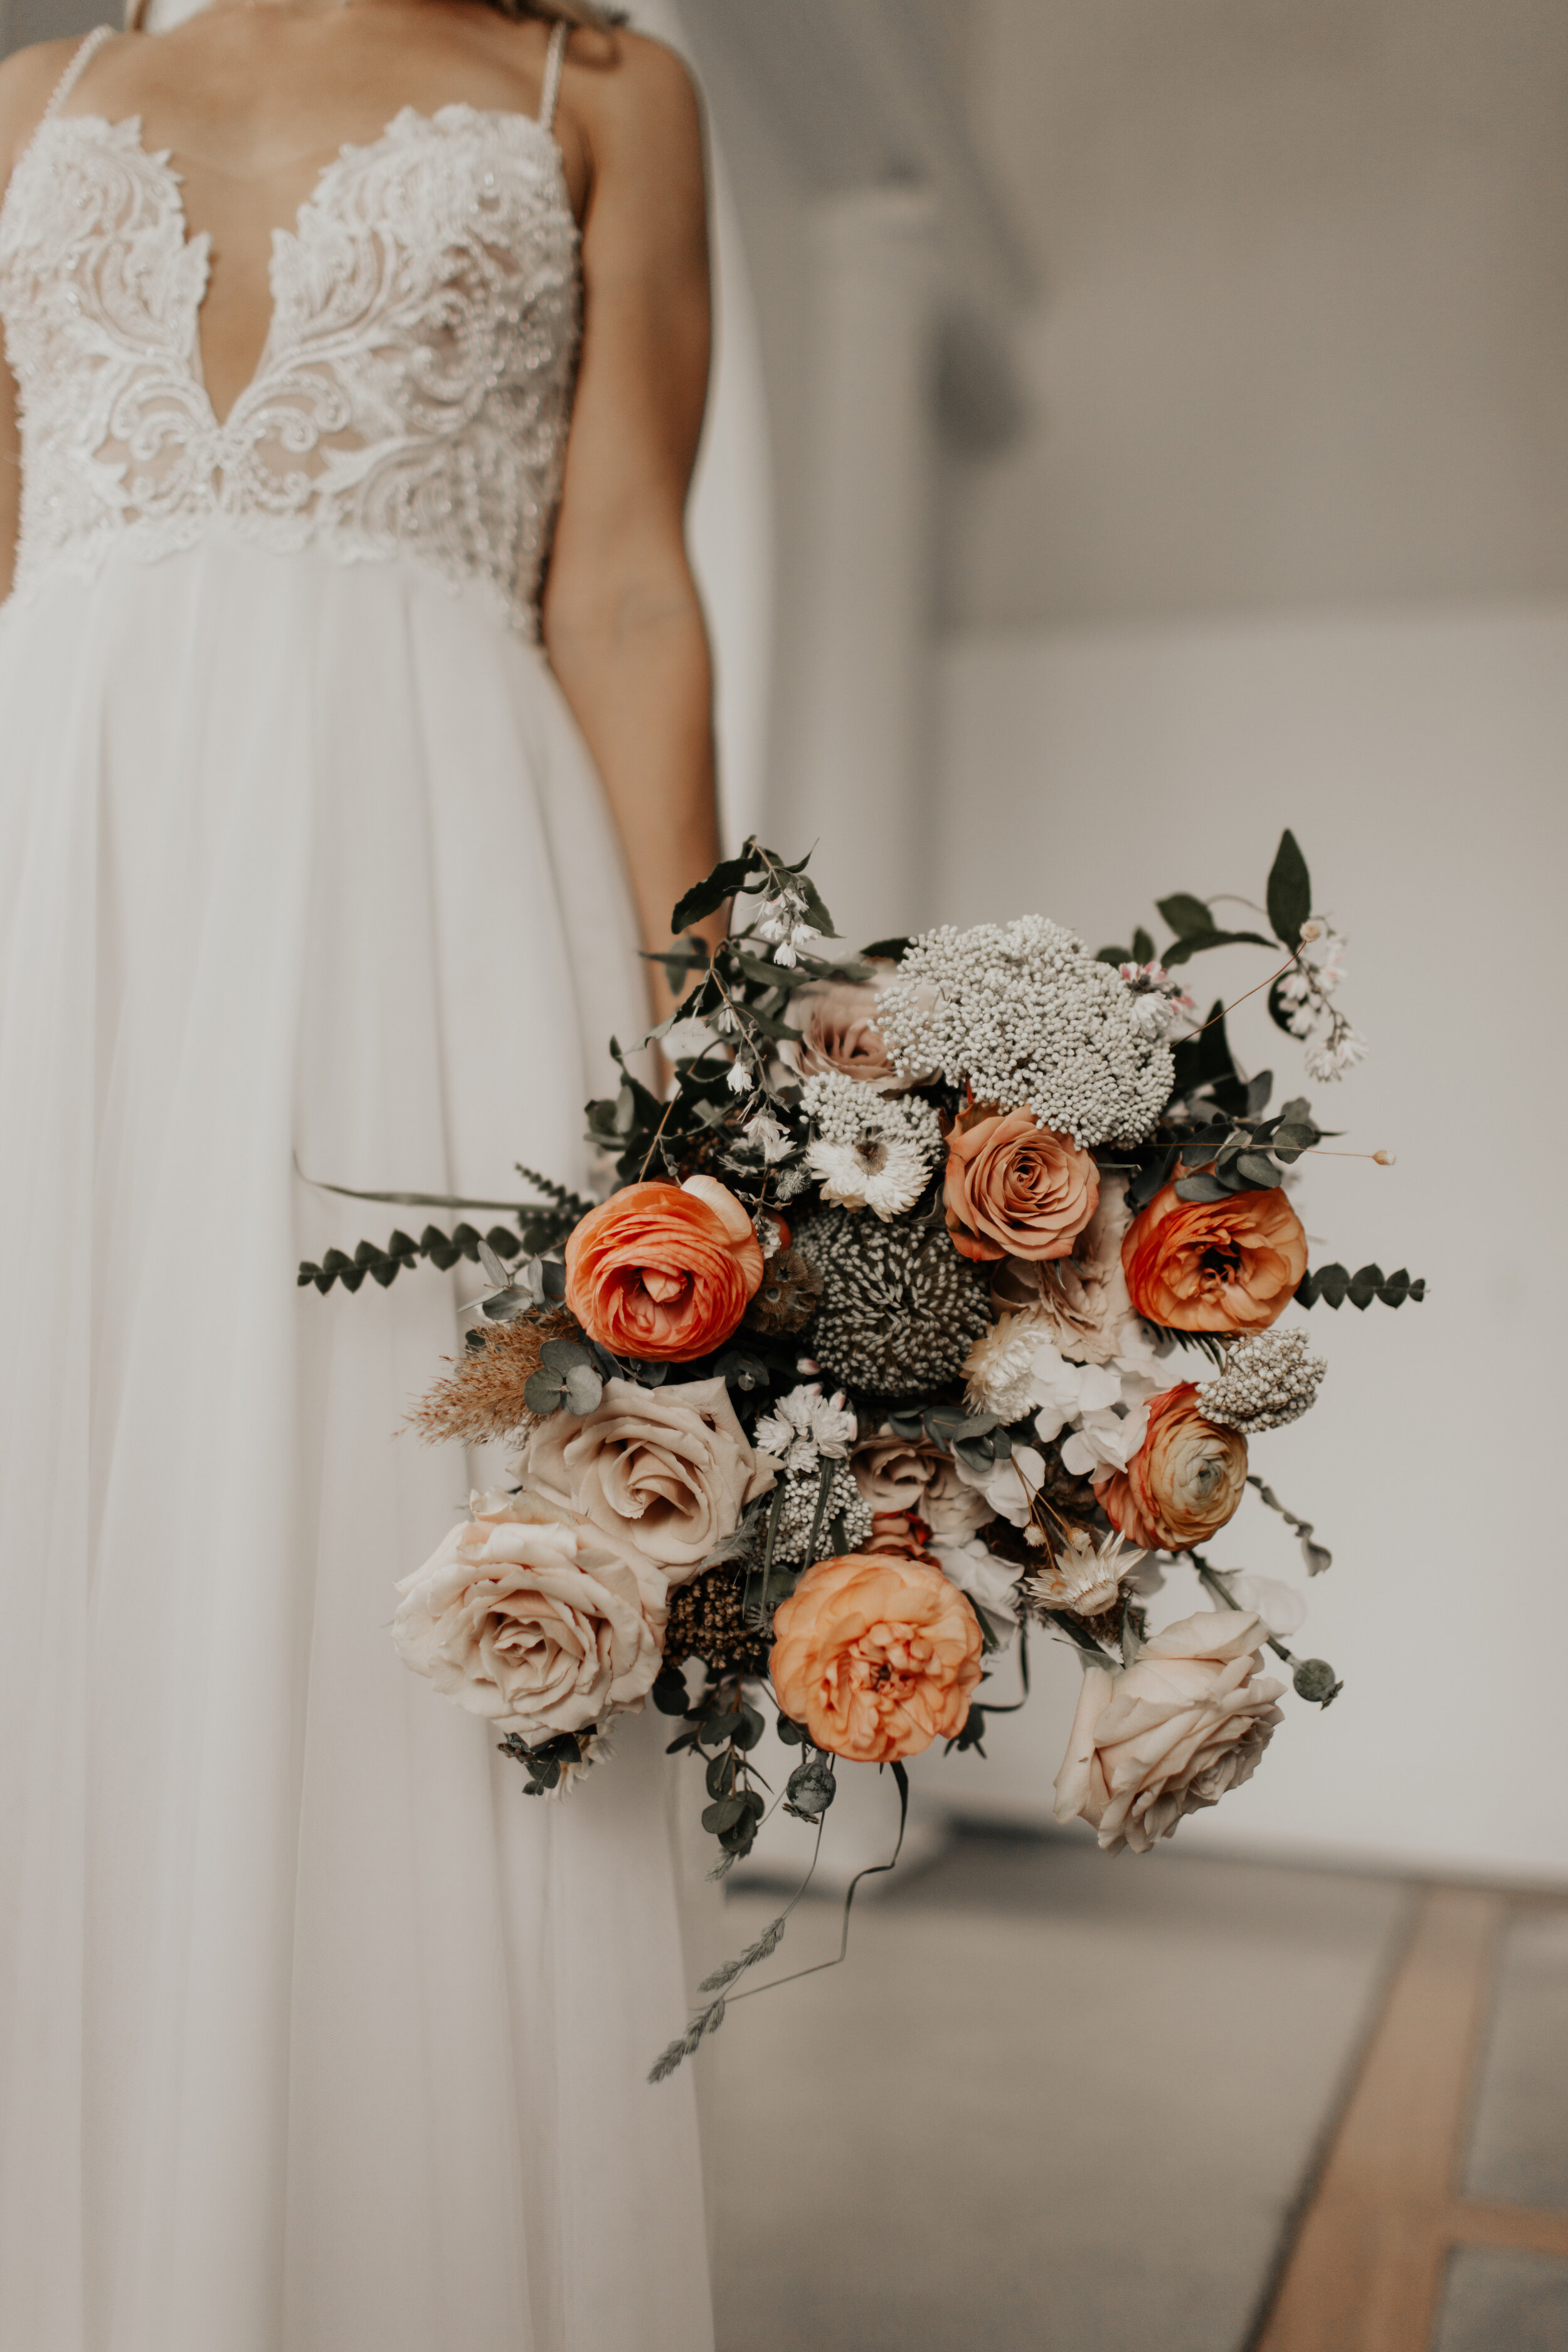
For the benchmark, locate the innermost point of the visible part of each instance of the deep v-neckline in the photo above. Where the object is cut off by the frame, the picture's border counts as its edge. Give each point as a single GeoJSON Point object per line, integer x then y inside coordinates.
{"type": "Point", "coordinates": [198, 242]}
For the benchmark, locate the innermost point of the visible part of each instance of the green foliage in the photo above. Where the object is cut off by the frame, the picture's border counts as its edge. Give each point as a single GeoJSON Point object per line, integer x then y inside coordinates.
{"type": "Point", "coordinates": [383, 1265]}
{"type": "Point", "coordinates": [977, 1439]}
{"type": "Point", "coordinates": [567, 1378]}
{"type": "Point", "coordinates": [1333, 1285]}
{"type": "Point", "coordinates": [545, 1763]}
{"type": "Point", "coordinates": [1290, 892]}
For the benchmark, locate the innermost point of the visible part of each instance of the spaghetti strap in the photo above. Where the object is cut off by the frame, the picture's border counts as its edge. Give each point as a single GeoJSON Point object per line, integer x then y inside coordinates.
{"type": "Point", "coordinates": [84, 55]}
{"type": "Point", "coordinates": [554, 59]}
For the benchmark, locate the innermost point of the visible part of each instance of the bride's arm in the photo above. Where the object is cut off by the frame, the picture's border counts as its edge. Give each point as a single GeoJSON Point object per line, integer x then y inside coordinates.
{"type": "Point", "coordinates": [622, 623]}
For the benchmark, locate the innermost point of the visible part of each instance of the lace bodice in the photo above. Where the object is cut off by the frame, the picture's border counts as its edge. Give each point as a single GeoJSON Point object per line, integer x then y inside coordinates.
{"type": "Point", "coordinates": [414, 392]}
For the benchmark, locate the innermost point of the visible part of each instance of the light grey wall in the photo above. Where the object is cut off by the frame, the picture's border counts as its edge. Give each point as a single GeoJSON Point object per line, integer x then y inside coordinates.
{"type": "Point", "coordinates": [1304, 333]}
{"type": "Point", "coordinates": [24, 21]}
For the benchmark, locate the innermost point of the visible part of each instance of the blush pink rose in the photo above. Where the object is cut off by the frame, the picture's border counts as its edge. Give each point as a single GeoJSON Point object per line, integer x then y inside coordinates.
{"type": "Point", "coordinates": [1189, 1719]}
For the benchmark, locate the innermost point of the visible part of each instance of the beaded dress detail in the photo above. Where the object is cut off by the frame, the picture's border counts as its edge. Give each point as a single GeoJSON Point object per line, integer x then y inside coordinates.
{"type": "Point", "coordinates": [414, 392]}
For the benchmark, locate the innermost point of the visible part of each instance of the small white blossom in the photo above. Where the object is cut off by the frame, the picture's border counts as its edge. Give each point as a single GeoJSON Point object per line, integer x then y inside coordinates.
{"type": "Point", "coordinates": [992, 1584]}
{"type": "Point", "coordinates": [1157, 999]}
{"type": "Point", "coordinates": [738, 1079]}
{"type": "Point", "coordinates": [1343, 1048]}
{"type": "Point", "coordinates": [782, 919]}
{"type": "Point", "coordinates": [1282, 1607]}
{"type": "Point", "coordinates": [765, 1134]}
{"type": "Point", "coordinates": [1008, 1485]}
{"type": "Point", "coordinates": [805, 1425]}
{"type": "Point", "coordinates": [1305, 990]}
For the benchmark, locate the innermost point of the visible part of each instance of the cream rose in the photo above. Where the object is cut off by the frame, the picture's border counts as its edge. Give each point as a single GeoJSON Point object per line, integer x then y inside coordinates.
{"type": "Point", "coordinates": [1082, 1299]}
{"type": "Point", "coordinates": [533, 1618]}
{"type": "Point", "coordinates": [666, 1471]}
{"type": "Point", "coordinates": [1172, 1733]}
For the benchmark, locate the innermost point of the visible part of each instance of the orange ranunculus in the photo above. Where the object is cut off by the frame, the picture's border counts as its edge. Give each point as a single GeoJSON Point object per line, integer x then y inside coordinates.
{"type": "Point", "coordinates": [1014, 1188]}
{"type": "Point", "coordinates": [1215, 1266]}
{"type": "Point", "coordinates": [1185, 1481]}
{"type": "Point", "coordinates": [663, 1272]}
{"type": "Point", "coordinates": [875, 1656]}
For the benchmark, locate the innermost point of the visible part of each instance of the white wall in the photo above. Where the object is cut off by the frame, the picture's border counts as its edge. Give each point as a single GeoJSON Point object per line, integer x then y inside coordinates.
{"type": "Point", "coordinates": [1421, 759]}
{"type": "Point", "coordinates": [1304, 330]}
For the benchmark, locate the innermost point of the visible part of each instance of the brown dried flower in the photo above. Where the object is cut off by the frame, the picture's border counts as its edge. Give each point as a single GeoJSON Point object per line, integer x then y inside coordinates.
{"type": "Point", "coordinates": [791, 1286]}
{"type": "Point", "coordinates": [707, 1621]}
{"type": "Point", "coordinates": [481, 1399]}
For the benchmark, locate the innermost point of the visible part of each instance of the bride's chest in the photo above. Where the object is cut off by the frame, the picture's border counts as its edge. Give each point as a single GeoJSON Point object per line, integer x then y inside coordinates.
{"type": "Point", "coordinates": [437, 265]}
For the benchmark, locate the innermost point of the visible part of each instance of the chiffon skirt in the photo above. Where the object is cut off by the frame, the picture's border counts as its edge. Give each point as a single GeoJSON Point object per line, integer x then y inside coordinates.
{"type": "Point", "coordinates": [316, 2034]}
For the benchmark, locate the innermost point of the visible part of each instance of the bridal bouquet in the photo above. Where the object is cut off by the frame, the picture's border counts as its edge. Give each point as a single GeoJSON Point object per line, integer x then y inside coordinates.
{"type": "Point", "coordinates": [939, 1297]}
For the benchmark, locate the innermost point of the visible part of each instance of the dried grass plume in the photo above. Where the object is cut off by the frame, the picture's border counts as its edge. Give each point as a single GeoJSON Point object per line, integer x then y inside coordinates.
{"type": "Point", "coordinates": [481, 1399]}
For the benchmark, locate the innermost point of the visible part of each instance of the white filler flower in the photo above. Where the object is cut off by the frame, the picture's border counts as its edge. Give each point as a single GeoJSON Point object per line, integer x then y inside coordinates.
{"type": "Point", "coordinates": [1021, 1013]}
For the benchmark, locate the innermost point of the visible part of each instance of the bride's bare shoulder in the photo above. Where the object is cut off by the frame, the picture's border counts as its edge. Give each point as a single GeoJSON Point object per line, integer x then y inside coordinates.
{"type": "Point", "coordinates": [633, 98]}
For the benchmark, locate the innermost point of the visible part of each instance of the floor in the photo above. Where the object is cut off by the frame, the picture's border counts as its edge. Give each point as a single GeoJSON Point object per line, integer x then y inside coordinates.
{"type": "Point", "coordinates": [1174, 2103]}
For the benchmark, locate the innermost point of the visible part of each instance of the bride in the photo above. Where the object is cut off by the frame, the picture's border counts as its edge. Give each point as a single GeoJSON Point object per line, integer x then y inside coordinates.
{"type": "Point", "coordinates": [355, 726]}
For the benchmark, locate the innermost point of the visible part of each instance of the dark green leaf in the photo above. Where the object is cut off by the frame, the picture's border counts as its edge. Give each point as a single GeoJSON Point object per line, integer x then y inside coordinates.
{"type": "Point", "coordinates": [724, 1814]}
{"type": "Point", "coordinates": [1188, 916]}
{"type": "Point", "coordinates": [705, 898]}
{"type": "Point", "coordinates": [891, 950]}
{"type": "Point", "coordinates": [669, 1691]}
{"type": "Point", "coordinates": [1289, 893]}
{"type": "Point", "coordinates": [1142, 947]}
{"type": "Point", "coordinates": [585, 1389]}
{"type": "Point", "coordinates": [1184, 949]}
{"type": "Point", "coordinates": [1202, 1188]}
{"type": "Point", "coordinates": [1258, 1170]}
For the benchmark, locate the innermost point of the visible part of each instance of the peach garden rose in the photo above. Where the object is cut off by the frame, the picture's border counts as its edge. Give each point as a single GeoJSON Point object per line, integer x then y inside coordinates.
{"type": "Point", "coordinates": [664, 1272]}
{"type": "Point", "coordinates": [1189, 1719]}
{"type": "Point", "coordinates": [875, 1656]}
{"type": "Point", "coordinates": [1014, 1188]}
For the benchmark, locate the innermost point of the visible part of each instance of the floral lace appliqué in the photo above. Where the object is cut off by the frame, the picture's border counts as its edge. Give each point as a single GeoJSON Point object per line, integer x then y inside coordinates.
{"type": "Point", "coordinates": [414, 392]}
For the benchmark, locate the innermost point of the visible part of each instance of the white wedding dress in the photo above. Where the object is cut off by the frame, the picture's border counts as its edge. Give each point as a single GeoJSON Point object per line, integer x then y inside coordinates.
{"type": "Point", "coordinates": [316, 2034]}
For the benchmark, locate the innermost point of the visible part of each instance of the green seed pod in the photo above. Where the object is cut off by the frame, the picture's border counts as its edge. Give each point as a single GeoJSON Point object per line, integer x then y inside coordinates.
{"type": "Point", "coordinates": [1315, 1680]}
